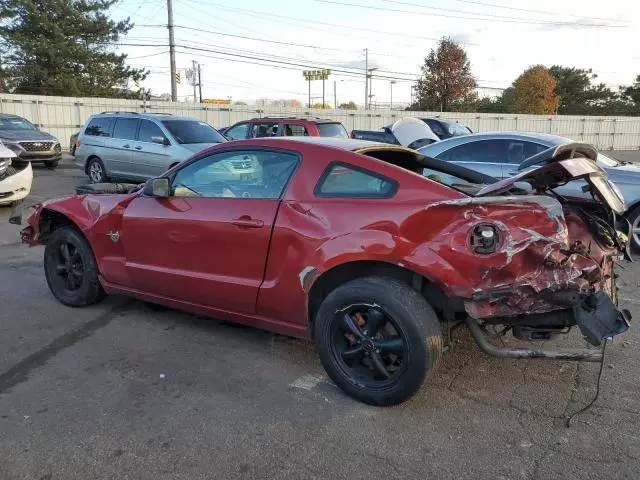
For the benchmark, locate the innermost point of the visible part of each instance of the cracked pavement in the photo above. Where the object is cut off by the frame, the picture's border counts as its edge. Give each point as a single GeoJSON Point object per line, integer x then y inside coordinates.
{"type": "Point", "coordinates": [128, 390]}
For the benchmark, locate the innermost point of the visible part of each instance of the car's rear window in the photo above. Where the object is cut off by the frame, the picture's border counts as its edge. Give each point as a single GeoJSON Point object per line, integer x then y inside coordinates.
{"type": "Point", "coordinates": [193, 131]}
{"type": "Point", "coordinates": [332, 130]}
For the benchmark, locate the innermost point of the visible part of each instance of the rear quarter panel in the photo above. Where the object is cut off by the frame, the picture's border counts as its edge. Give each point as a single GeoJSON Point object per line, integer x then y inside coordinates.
{"type": "Point", "coordinates": [312, 234]}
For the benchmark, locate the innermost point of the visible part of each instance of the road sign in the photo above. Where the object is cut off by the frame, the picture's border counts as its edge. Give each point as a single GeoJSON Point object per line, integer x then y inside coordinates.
{"type": "Point", "coordinates": [316, 74]}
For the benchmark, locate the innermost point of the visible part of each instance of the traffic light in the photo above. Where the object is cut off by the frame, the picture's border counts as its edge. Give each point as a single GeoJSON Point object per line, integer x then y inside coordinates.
{"type": "Point", "coordinates": [178, 77]}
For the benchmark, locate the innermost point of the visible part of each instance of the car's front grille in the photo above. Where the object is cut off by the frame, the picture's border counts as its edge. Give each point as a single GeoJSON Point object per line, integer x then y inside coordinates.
{"type": "Point", "coordinates": [242, 164]}
{"type": "Point", "coordinates": [36, 146]}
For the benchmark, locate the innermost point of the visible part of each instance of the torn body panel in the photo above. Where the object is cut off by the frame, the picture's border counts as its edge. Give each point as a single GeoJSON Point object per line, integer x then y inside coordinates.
{"type": "Point", "coordinates": [545, 257]}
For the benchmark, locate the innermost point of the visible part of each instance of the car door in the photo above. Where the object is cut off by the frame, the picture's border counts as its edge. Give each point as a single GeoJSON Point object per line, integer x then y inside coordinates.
{"type": "Point", "coordinates": [207, 243]}
{"type": "Point", "coordinates": [484, 156]}
{"type": "Point", "coordinates": [151, 158]}
{"type": "Point", "coordinates": [264, 129]}
{"type": "Point", "coordinates": [118, 149]}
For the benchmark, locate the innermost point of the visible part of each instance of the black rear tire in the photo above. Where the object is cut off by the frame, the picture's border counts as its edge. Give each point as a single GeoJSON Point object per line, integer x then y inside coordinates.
{"type": "Point", "coordinates": [399, 318]}
{"type": "Point", "coordinates": [71, 269]}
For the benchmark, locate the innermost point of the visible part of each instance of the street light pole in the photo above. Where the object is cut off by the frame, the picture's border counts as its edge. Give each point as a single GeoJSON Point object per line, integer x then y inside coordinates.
{"type": "Point", "coordinates": [392, 83]}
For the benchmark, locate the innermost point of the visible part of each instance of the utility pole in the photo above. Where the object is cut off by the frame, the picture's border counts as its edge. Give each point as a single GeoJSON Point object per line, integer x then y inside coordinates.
{"type": "Point", "coordinates": [392, 83]}
{"type": "Point", "coordinates": [322, 92]}
{"type": "Point", "coordinates": [366, 77]}
{"type": "Point", "coordinates": [200, 83]}
{"type": "Point", "coordinates": [193, 80]}
{"type": "Point", "coordinates": [172, 53]}
{"type": "Point", "coordinates": [335, 96]}
{"type": "Point", "coordinates": [370, 79]}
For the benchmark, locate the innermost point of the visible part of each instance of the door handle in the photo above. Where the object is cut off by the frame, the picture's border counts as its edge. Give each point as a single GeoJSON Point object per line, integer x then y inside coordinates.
{"type": "Point", "coordinates": [138, 147]}
{"type": "Point", "coordinates": [246, 221]}
{"type": "Point", "coordinates": [126, 146]}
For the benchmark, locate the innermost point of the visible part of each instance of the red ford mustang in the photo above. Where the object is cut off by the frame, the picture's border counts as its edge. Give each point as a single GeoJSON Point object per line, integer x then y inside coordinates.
{"type": "Point", "coordinates": [372, 250]}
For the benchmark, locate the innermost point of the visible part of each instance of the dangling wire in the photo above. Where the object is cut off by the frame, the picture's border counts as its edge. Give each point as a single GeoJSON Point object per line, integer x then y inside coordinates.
{"type": "Point", "coordinates": [590, 404]}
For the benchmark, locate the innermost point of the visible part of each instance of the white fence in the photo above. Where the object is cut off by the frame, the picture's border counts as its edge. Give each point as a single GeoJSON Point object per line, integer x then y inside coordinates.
{"type": "Point", "coordinates": [63, 116]}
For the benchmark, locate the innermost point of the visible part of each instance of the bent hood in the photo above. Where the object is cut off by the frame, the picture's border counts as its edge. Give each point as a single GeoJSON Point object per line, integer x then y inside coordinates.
{"type": "Point", "coordinates": [410, 130]}
{"type": "Point", "coordinates": [559, 166]}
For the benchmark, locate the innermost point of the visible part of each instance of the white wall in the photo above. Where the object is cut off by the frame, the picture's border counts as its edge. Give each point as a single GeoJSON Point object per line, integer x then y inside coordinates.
{"type": "Point", "coordinates": [63, 116]}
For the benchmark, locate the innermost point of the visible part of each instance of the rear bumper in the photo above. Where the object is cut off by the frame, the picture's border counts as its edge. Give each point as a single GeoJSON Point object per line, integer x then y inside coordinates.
{"type": "Point", "coordinates": [17, 186]}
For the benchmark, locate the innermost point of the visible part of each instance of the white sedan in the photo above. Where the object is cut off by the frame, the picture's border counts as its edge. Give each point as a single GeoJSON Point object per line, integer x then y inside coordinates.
{"type": "Point", "coordinates": [15, 177]}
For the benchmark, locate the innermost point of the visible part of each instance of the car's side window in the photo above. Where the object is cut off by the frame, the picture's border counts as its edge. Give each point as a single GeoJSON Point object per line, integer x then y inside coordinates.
{"type": "Point", "coordinates": [239, 132]}
{"type": "Point", "coordinates": [291, 130]}
{"type": "Point", "coordinates": [482, 151]}
{"type": "Point", "coordinates": [259, 130]}
{"type": "Point", "coordinates": [99, 127]}
{"type": "Point", "coordinates": [236, 174]}
{"type": "Point", "coordinates": [342, 180]}
{"type": "Point", "coordinates": [125, 128]}
{"type": "Point", "coordinates": [148, 130]}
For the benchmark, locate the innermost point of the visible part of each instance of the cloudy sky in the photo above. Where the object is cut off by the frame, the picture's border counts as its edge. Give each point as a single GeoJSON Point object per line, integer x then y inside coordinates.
{"type": "Point", "coordinates": [250, 49]}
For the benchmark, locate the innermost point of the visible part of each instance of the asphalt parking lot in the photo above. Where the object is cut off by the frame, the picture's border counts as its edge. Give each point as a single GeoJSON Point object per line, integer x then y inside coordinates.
{"type": "Point", "coordinates": [127, 390]}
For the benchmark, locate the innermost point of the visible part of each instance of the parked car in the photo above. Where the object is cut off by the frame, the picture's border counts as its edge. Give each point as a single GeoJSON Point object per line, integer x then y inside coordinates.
{"type": "Point", "coordinates": [410, 132]}
{"type": "Point", "coordinates": [285, 127]}
{"type": "Point", "coordinates": [371, 250]}
{"type": "Point", "coordinates": [16, 177]}
{"type": "Point", "coordinates": [73, 140]}
{"type": "Point", "coordinates": [139, 146]}
{"type": "Point", "coordinates": [29, 143]}
{"type": "Point", "coordinates": [438, 130]}
{"type": "Point", "coordinates": [500, 155]}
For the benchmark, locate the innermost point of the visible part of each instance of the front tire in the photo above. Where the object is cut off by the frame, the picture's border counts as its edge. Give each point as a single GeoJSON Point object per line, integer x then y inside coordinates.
{"type": "Point", "coordinates": [96, 171]}
{"type": "Point", "coordinates": [71, 269]}
{"type": "Point", "coordinates": [634, 219]}
{"type": "Point", "coordinates": [377, 339]}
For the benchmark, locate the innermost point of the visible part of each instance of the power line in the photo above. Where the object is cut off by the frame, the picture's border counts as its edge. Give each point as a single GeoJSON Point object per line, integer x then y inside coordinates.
{"type": "Point", "coordinates": [150, 55]}
{"type": "Point", "coordinates": [261, 15]}
{"type": "Point", "coordinates": [491, 18]}
{"type": "Point", "coordinates": [467, 12]}
{"type": "Point", "coordinates": [539, 11]}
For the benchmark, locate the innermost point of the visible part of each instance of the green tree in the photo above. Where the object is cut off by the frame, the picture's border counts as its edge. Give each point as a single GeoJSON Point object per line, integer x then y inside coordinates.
{"type": "Point", "coordinates": [532, 92]}
{"type": "Point", "coordinates": [446, 83]}
{"type": "Point", "coordinates": [632, 93]}
{"type": "Point", "coordinates": [64, 47]}
{"type": "Point", "coordinates": [348, 106]}
{"type": "Point", "coordinates": [578, 95]}
{"type": "Point", "coordinates": [320, 105]}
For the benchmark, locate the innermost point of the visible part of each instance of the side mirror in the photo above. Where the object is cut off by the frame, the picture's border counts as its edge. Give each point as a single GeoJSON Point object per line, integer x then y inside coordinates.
{"type": "Point", "coordinates": [160, 140]}
{"type": "Point", "coordinates": [157, 187]}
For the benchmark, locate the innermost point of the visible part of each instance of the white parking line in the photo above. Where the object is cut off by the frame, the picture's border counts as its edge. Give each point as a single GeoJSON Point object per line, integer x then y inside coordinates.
{"type": "Point", "coordinates": [307, 382]}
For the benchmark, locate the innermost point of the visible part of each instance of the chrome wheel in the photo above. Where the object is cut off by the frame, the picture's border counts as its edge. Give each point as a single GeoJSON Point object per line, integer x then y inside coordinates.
{"type": "Point", "coordinates": [96, 172]}
{"type": "Point", "coordinates": [635, 229]}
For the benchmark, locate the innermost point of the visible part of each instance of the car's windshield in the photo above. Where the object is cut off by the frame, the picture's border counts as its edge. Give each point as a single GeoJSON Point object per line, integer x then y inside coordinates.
{"type": "Point", "coordinates": [456, 129]}
{"type": "Point", "coordinates": [193, 131]}
{"type": "Point", "coordinates": [604, 161]}
{"type": "Point", "coordinates": [15, 123]}
{"type": "Point", "coordinates": [332, 130]}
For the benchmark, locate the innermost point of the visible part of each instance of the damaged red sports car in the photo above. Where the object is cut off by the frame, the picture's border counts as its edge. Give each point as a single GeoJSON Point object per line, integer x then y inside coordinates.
{"type": "Point", "coordinates": [373, 251]}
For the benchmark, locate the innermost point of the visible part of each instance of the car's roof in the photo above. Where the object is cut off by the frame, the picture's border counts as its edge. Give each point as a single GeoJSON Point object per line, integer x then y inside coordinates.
{"type": "Point", "coordinates": [541, 137]}
{"type": "Point", "coordinates": [149, 116]}
{"type": "Point", "coordinates": [349, 144]}
{"type": "Point", "coordinates": [9, 115]}
{"type": "Point", "coordinates": [294, 119]}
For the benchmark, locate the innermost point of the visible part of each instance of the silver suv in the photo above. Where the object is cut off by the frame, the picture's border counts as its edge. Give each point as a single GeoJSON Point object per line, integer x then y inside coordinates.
{"type": "Point", "coordinates": [138, 146]}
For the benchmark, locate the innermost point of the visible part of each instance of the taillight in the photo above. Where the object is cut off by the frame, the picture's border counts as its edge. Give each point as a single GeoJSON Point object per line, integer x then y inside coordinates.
{"type": "Point", "coordinates": [484, 239]}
